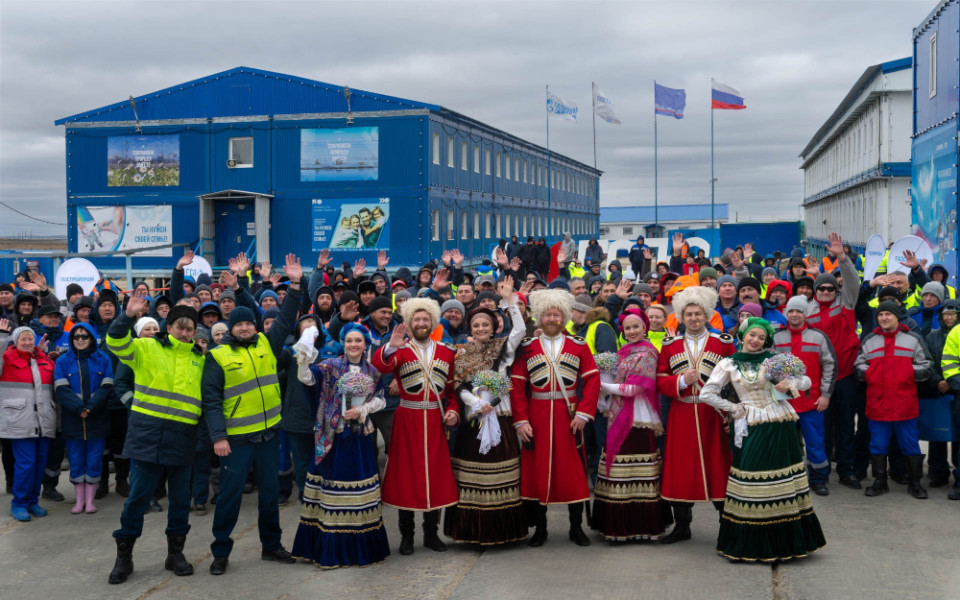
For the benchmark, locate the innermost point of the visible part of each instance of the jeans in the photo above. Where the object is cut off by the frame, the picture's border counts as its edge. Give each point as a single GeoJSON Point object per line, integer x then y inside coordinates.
{"type": "Point", "coordinates": [202, 467]}
{"type": "Point", "coordinates": [144, 478]}
{"type": "Point", "coordinates": [265, 459]}
{"type": "Point", "coordinates": [811, 426]}
{"type": "Point", "coordinates": [847, 411]}
{"type": "Point", "coordinates": [906, 432]}
{"type": "Point", "coordinates": [285, 471]}
{"type": "Point", "coordinates": [30, 460]}
{"type": "Point", "coordinates": [302, 449]}
{"type": "Point", "coordinates": [86, 459]}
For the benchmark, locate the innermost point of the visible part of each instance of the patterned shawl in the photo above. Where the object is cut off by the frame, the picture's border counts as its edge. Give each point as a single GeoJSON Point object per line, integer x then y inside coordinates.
{"type": "Point", "coordinates": [474, 357]}
{"type": "Point", "coordinates": [638, 367]}
{"type": "Point", "coordinates": [328, 399]}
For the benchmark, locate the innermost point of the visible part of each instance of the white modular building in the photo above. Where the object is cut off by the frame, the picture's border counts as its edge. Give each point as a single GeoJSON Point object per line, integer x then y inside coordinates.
{"type": "Point", "coordinates": [857, 166]}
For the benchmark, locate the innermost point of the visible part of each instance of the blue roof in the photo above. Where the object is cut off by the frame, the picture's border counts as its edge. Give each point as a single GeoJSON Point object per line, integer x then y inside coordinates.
{"type": "Point", "coordinates": [244, 92]}
{"type": "Point", "coordinates": [670, 213]}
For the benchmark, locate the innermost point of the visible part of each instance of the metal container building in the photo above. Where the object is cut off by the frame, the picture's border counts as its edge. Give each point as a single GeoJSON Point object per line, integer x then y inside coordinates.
{"type": "Point", "coordinates": [267, 163]}
{"type": "Point", "coordinates": [856, 168]}
{"type": "Point", "coordinates": [936, 102]}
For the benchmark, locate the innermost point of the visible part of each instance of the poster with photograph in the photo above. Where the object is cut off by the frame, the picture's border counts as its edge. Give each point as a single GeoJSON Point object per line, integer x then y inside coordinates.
{"type": "Point", "coordinates": [113, 228]}
{"type": "Point", "coordinates": [354, 224]}
{"type": "Point", "coordinates": [143, 160]}
{"type": "Point", "coordinates": [340, 154]}
{"type": "Point", "coordinates": [934, 189]}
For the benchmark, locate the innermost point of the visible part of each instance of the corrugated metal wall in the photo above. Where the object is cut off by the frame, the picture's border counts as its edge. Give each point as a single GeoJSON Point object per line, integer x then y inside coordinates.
{"type": "Point", "coordinates": [930, 111]}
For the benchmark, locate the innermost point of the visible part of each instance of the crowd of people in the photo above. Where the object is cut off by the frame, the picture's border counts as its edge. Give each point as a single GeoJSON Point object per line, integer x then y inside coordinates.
{"type": "Point", "coordinates": [493, 392]}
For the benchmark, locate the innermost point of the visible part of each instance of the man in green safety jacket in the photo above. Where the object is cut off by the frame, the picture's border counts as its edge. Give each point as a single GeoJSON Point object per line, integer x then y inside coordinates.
{"type": "Point", "coordinates": [162, 427]}
{"type": "Point", "coordinates": [241, 406]}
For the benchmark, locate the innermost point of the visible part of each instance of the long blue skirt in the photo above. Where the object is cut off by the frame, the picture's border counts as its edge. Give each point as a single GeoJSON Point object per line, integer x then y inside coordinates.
{"type": "Point", "coordinates": [341, 517]}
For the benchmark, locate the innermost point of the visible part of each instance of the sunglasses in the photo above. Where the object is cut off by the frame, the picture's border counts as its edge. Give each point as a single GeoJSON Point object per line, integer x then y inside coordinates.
{"type": "Point", "coordinates": [82, 337]}
{"type": "Point", "coordinates": [826, 288]}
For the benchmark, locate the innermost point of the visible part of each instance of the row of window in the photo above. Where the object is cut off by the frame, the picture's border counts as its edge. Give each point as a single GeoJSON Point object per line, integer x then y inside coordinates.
{"type": "Point", "coordinates": [520, 226]}
{"type": "Point", "coordinates": [522, 170]}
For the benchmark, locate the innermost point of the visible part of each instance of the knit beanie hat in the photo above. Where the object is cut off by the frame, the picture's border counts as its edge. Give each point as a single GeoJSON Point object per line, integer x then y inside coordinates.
{"type": "Point", "coordinates": [74, 288]}
{"type": "Point", "coordinates": [270, 313]}
{"type": "Point", "coordinates": [824, 279]}
{"type": "Point", "coordinates": [143, 322]}
{"type": "Point", "coordinates": [228, 294]}
{"type": "Point", "coordinates": [217, 328]}
{"type": "Point", "coordinates": [889, 306]}
{"type": "Point", "coordinates": [749, 282]}
{"type": "Point", "coordinates": [241, 314]}
{"type": "Point", "coordinates": [402, 295]}
{"type": "Point", "coordinates": [933, 287]}
{"type": "Point", "coordinates": [752, 308]}
{"type": "Point", "coordinates": [642, 288]}
{"type": "Point", "coordinates": [726, 279]}
{"type": "Point", "coordinates": [268, 294]}
{"type": "Point", "coordinates": [484, 296]}
{"type": "Point", "coordinates": [706, 272]}
{"type": "Point", "coordinates": [20, 331]}
{"type": "Point", "coordinates": [182, 310]}
{"type": "Point", "coordinates": [768, 271]}
{"type": "Point", "coordinates": [559, 284]}
{"type": "Point", "coordinates": [380, 302]}
{"type": "Point", "coordinates": [583, 303]}
{"type": "Point", "coordinates": [797, 303]}
{"type": "Point", "coordinates": [454, 304]}
{"type": "Point", "coordinates": [888, 291]}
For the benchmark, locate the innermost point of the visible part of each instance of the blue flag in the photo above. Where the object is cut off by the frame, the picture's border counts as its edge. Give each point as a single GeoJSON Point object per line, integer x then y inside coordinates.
{"type": "Point", "coordinates": [669, 101]}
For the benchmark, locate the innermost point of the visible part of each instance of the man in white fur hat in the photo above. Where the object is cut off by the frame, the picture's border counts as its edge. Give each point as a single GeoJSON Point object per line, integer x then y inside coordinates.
{"type": "Point", "coordinates": [550, 415]}
{"type": "Point", "coordinates": [697, 456]}
{"type": "Point", "coordinates": [419, 476]}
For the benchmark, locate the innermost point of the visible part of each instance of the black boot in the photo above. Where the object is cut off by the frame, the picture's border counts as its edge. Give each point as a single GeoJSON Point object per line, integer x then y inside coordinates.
{"type": "Point", "coordinates": [176, 561]}
{"type": "Point", "coordinates": [431, 521]}
{"type": "Point", "coordinates": [104, 486]}
{"type": "Point", "coordinates": [406, 532]}
{"type": "Point", "coordinates": [123, 567]}
{"type": "Point", "coordinates": [880, 485]}
{"type": "Point", "coordinates": [50, 489]}
{"type": "Point", "coordinates": [683, 515]}
{"type": "Point", "coordinates": [914, 473]}
{"type": "Point", "coordinates": [540, 522]}
{"type": "Point", "coordinates": [577, 536]}
{"type": "Point", "coordinates": [122, 472]}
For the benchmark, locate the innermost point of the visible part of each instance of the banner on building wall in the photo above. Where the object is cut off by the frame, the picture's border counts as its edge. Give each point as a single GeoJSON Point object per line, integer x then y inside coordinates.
{"type": "Point", "coordinates": [116, 228]}
{"type": "Point", "coordinates": [934, 188]}
{"type": "Point", "coordinates": [340, 154]}
{"type": "Point", "coordinates": [143, 160]}
{"type": "Point", "coordinates": [351, 224]}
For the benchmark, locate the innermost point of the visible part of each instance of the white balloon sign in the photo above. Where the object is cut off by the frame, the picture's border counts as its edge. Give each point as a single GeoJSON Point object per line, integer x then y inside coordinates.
{"type": "Point", "coordinates": [196, 267]}
{"type": "Point", "coordinates": [873, 256]}
{"type": "Point", "coordinates": [76, 270]}
{"type": "Point", "coordinates": [914, 244]}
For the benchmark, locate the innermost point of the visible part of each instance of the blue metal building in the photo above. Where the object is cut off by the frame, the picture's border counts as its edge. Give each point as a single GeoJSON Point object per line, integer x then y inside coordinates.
{"type": "Point", "coordinates": [936, 103]}
{"type": "Point", "coordinates": [267, 163]}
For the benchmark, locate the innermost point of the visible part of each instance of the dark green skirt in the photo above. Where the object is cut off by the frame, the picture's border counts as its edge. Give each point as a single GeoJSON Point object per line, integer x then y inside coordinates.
{"type": "Point", "coordinates": [768, 514]}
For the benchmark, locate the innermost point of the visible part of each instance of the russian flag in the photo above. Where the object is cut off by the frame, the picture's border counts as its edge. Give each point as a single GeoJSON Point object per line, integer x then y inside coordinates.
{"type": "Point", "coordinates": [725, 97]}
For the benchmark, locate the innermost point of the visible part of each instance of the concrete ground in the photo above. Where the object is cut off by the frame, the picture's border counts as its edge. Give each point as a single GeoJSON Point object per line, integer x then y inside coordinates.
{"type": "Point", "coordinates": [888, 547]}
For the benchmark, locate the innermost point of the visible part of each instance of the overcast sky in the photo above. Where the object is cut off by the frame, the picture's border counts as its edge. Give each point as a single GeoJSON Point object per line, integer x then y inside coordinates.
{"type": "Point", "coordinates": [793, 62]}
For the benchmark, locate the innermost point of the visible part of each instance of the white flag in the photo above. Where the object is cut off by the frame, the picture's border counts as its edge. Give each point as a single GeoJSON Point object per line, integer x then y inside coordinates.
{"type": "Point", "coordinates": [603, 106]}
{"type": "Point", "coordinates": [561, 108]}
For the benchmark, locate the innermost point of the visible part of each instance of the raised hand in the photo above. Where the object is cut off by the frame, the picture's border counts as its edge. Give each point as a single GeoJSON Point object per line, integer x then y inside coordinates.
{"type": "Point", "coordinates": [561, 256]}
{"type": "Point", "coordinates": [835, 245]}
{"type": "Point", "coordinates": [735, 260]}
{"type": "Point", "coordinates": [5, 325]}
{"type": "Point", "coordinates": [515, 263]}
{"type": "Point", "coordinates": [398, 339]}
{"type": "Point", "coordinates": [349, 311]}
{"type": "Point", "coordinates": [457, 257]}
{"type": "Point", "coordinates": [647, 254]}
{"type": "Point", "coordinates": [505, 288]}
{"type": "Point", "coordinates": [243, 265]}
{"type": "Point", "coordinates": [624, 288]}
{"type": "Point", "coordinates": [441, 280]}
{"type": "Point", "coordinates": [186, 259]}
{"type": "Point", "coordinates": [136, 303]}
{"type": "Point", "coordinates": [526, 288]}
{"type": "Point", "coordinates": [293, 269]}
{"type": "Point", "coordinates": [445, 258]}
{"type": "Point", "coordinates": [266, 268]}
{"type": "Point", "coordinates": [677, 243]}
{"type": "Point", "coordinates": [359, 268]}
{"type": "Point", "coordinates": [324, 259]}
{"type": "Point", "coordinates": [40, 279]}
{"type": "Point", "coordinates": [42, 344]}
{"type": "Point", "coordinates": [229, 279]}
{"type": "Point", "coordinates": [30, 287]}
{"type": "Point", "coordinates": [382, 260]}
{"type": "Point", "coordinates": [275, 279]}
{"type": "Point", "coordinates": [910, 260]}
{"type": "Point", "coordinates": [501, 258]}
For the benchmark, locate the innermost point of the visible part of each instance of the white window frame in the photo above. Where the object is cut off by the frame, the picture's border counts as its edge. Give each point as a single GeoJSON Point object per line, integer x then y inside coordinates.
{"type": "Point", "coordinates": [486, 156]}
{"type": "Point", "coordinates": [451, 223]}
{"type": "Point", "coordinates": [506, 162]}
{"type": "Point", "coordinates": [476, 158]}
{"type": "Point", "coordinates": [435, 219]}
{"type": "Point", "coordinates": [464, 224]}
{"type": "Point", "coordinates": [497, 168]}
{"type": "Point", "coordinates": [436, 148]}
{"type": "Point", "coordinates": [476, 225]}
{"type": "Point", "coordinates": [496, 225]}
{"type": "Point", "coordinates": [487, 221]}
{"type": "Point", "coordinates": [450, 152]}
{"type": "Point", "coordinates": [516, 169]}
{"type": "Point", "coordinates": [526, 169]}
{"type": "Point", "coordinates": [933, 65]}
{"type": "Point", "coordinates": [465, 157]}
{"type": "Point", "coordinates": [231, 155]}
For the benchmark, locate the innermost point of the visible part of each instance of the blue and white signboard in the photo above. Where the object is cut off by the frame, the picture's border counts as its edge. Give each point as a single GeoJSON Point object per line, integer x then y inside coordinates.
{"type": "Point", "coordinates": [351, 224]}
{"type": "Point", "coordinates": [340, 154]}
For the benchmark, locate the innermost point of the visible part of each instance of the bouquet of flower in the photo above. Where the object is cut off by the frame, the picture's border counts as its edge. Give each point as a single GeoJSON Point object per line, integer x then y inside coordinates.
{"type": "Point", "coordinates": [354, 389]}
{"type": "Point", "coordinates": [785, 367]}
{"type": "Point", "coordinates": [492, 382]}
{"type": "Point", "coordinates": [607, 365]}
